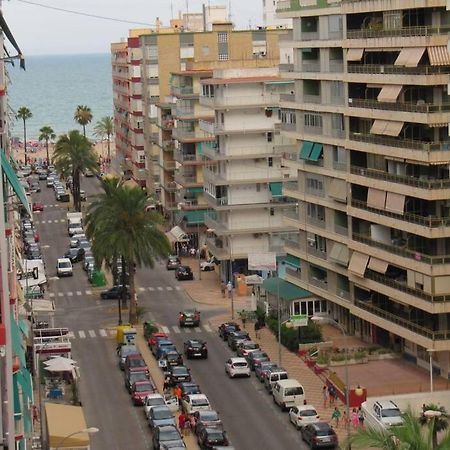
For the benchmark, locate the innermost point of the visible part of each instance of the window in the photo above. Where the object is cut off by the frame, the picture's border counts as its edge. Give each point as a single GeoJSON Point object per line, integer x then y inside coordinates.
{"type": "Point", "coordinates": [337, 122]}
{"type": "Point", "coordinates": [270, 161]}
{"type": "Point", "coordinates": [313, 120]}
{"type": "Point", "coordinates": [222, 118]}
{"type": "Point", "coordinates": [313, 184]}
{"type": "Point", "coordinates": [272, 211]}
{"type": "Point", "coordinates": [258, 187]}
{"type": "Point", "coordinates": [222, 38]}
{"type": "Point", "coordinates": [335, 24]}
{"type": "Point", "coordinates": [223, 57]}
{"type": "Point", "coordinates": [269, 137]}
{"type": "Point", "coordinates": [337, 89]}
{"type": "Point", "coordinates": [315, 211]}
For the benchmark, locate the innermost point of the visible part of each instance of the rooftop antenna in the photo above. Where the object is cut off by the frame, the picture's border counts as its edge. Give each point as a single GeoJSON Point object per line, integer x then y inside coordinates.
{"type": "Point", "coordinates": [171, 9]}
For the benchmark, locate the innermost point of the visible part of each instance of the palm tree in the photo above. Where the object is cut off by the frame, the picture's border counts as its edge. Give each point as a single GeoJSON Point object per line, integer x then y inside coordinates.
{"type": "Point", "coordinates": [24, 113]}
{"type": "Point", "coordinates": [47, 134]}
{"type": "Point", "coordinates": [439, 421]}
{"type": "Point", "coordinates": [105, 127]}
{"type": "Point", "coordinates": [83, 116]}
{"type": "Point", "coordinates": [119, 224]}
{"type": "Point", "coordinates": [74, 154]}
{"type": "Point", "coordinates": [411, 436]}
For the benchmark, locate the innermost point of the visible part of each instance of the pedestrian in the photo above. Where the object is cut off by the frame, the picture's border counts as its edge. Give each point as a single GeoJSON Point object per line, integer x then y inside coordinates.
{"type": "Point", "coordinates": [355, 418]}
{"type": "Point", "coordinates": [166, 385]}
{"type": "Point", "coordinates": [345, 420]}
{"type": "Point", "coordinates": [325, 396]}
{"type": "Point", "coordinates": [331, 394]}
{"type": "Point", "coordinates": [257, 328]}
{"type": "Point", "coordinates": [244, 319]}
{"type": "Point", "coordinates": [361, 417]}
{"type": "Point", "coordinates": [336, 415]}
{"type": "Point", "coordinates": [230, 289]}
{"type": "Point", "coordinates": [177, 392]}
{"type": "Point", "coordinates": [181, 422]}
{"type": "Point", "coordinates": [223, 289]}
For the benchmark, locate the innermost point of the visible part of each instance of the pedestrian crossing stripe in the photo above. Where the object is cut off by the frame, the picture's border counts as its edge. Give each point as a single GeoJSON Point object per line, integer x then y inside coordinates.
{"type": "Point", "coordinates": [70, 294]}
{"type": "Point", "coordinates": [207, 328]}
{"type": "Point", "coordinates": [60, 294]}
{"type": "Point", "coordinates": [78, 292]}
{"type": "Point", "coordinates": [177, 330]}
{"type": "Point", "coordinates": [160, 288]}
{"type": "Point", "coordinates": [71, 335]}
{"type": "Point", "coordinates": [165, 330]}
{"type": "Point", "coordinates": [151, 289]}
{"type": "Point", "coordinates": [169, 288]}
{"type": "Point", "coordinates": [141, 289]}
{"type": "Point", "coordinates": [51, 294]}
{"type": "Point", "coordinates": [102, 332]}
{"type": "Point", "coordinates": [88, 292]}
{"type": "Point", "coordinates": [91, 333]}
{"type": "Point", "coordinates": [187, 330]}
{"type": "Point", "coordinates": [82, 334]}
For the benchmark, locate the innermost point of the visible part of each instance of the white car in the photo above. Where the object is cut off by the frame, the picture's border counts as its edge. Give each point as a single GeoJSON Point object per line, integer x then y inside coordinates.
{"type": "Point", "coordinates": [75, 230]}
{"type": "Point", "coordinates": [303, 415]}
{"type": "Point", "coordinates": [76, 238]}
{"type": "Point", "coordinates": [194, 402]}
{"type": "Point", "coordinates": [237, 367]}
{"type": "Point", "coordinates": [207, 266]}
{"type": "Point", "coordinates": [64, 267]}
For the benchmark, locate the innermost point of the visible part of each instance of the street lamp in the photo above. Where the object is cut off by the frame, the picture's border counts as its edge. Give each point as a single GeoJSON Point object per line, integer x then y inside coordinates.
{"type": "Point", "coordinates": [321, 319]}
{"type": "Point", "coordinates": [90, 430]}
{"type": "Point", "coordinates": [430, 353]}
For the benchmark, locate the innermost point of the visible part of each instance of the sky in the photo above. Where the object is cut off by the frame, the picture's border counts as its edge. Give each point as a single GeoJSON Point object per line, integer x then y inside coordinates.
{"type": "Point", "coordinates": [42, 31]}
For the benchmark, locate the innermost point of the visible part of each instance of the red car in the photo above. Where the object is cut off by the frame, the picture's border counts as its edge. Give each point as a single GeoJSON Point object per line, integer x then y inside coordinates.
{"type": "Point", "coordinates": [140, 390]}
{"type": "Point", "coordinates": [38, 207]}
{"type": "Point", "coordinates": [154, 337]}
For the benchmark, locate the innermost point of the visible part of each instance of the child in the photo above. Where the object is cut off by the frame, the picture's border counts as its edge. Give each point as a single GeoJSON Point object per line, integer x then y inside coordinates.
{"type": "Point", "coordinates": [336, 416]}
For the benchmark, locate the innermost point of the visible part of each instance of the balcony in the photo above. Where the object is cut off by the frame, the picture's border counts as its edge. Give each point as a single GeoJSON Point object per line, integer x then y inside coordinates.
{"type": "Point", "coordinates": [186, 157]}
{"type": "Point", "coordinates": [245, 175]}
{"type": "Point", "coordinates": [265, 99]}
{"type": "Point", "coordinates": [399, 106]}
{"type": "Point", "coordinates": [183, 91]}
{"type": "Point", "coordinates": [170, 186]}
{"type": "Point", "coordinates": [184, 135]}
{"type": "Point", "coordinates": [402, 250]}
{"type": "Point", "coordinates": [187, 179]}
{"type": "Point", "coordinates": [312, 66]}
{"type": "Point", "coordinates": [169, 165]}
{"type": "Point", "coordinates": [284, 6]}
{"type": "Point", "coordinates": [168, 145]}
{"type": "Point", "coordinates": [184, 112]}
{"type": "Point", "coordinates": [387, 69]}
{"type": "Point", "coordinates": [303, 247]}
{"type": "Point", "coordinates": [287, 98]}
{"type": "Point", "coordinates": [422, 183]}
{"type": "Point", "coordinates": [425, 31]}
{"type": "Point", "coordinates": [227, 153]}
{"type": "Point", "coordinates": [167, 123]}
{"type": "Point", "coordinates": [286, 67]}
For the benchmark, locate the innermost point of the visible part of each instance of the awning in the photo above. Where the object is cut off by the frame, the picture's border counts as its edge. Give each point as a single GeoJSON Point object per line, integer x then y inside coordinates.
{"type": "Point", "coordinates": [316, 152]}
{"type": "Point", "coordinates": [195, 217]}
{"type": "Point", "coordinates": [410, 56]}
{"type": "Point", "coordinates": [358, 263]}
{"type": "Point", "coordinates": [376, 198]}
{"type": "Point", "coordinates": [306, 149]}
{"type": "Point", "coordinates": [377, 265]}
{"type": "Point", "coordinates": [393, 128]}
{"type": "Point", "coordinates": [339, 253]}
{"type": "Point", "coordinates": [4, 27]}
{"type": "Point", "coordinates": [292, 260]}
{"type": "Point", "coordinates": [355, 54]}
{"type": "Point", "coordinates": [195, 189]}
{"type": "Point", "coordinates": [65, 422]}
{"type": "Point", "coordinates": [287, 291]}
{"type": "Point", "coordinates": [338, 189]}
{"type": "Point", "coordinates": [176, 234]}
{"type": "Point", "coordinates": [26, 384]}
{"type": "Point", "coordinates": [17, 339]}
{"type": "Point", "coordinates": [439, 55]}
{"type": "Point", "coordinates": [378, 126]}
{"type": "Point", "coordinates": [389, 93]}
{"type": "Point", "coordinates": [276, 189]}
{"type": "Point", "coordinates": [16, 396]}
{"type": "Point", "coordinates": [395, 203]}
{"type": "Point", "coordinates": [14, 182]}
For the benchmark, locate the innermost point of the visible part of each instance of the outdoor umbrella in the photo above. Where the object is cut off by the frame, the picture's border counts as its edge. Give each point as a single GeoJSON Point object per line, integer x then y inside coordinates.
{"type": "Point", "coordinates": [59, 358]}
{"type": "Point", "coordinates": [59, 366]}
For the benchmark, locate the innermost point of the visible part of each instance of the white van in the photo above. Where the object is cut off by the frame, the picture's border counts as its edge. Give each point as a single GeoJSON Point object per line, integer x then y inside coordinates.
{"type": "Point", "coordinates": [64, 267]}
{"type": "Point", "coordinates": [288, 393]}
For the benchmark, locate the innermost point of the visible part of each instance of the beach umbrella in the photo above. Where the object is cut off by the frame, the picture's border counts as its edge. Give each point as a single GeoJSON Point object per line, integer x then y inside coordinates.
{"type": "Point", "coordinates": [59, 366]}
{"type": "Point", "coordinates": [62, 358]}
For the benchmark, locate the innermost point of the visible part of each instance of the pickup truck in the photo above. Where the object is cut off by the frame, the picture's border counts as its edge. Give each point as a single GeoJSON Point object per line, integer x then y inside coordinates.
{"type": "Point", "coordinates": [381, 414]}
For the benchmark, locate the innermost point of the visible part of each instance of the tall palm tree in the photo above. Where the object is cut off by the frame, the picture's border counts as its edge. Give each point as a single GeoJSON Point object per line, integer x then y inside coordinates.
{"type": "Point", "coordinates": [47, 134]}
{"type": "Point", "coordinates": [440, 421]}
{"type": "Point", "coordinates": [24, 113]}
{"type": "Point", "coordinates": [411, 436]}
{"type": "Point", "coordinates": [105, 127]}
{"type": "Point", "coordinates": [83, 116]}
{"type": "Point", "coordinates": [119, 224]}
{"type": "Point", "coordinates": [74, 154]}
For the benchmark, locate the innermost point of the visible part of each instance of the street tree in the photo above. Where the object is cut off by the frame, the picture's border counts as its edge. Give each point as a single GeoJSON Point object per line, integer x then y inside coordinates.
{"type": "Point", "coordinates": [24, 113]}
{"type": "Point", "coordinates": [83, 116]}
{"type": "Point", "coordinates": [439, 421]}
{"type": "Point", "coordinates": [105, 127]}
{"type": "Point", "coordinates": [73, 155]}
{"type": "Point", "coordinates": [119, 223]}
{"type": "Point", "coordinates": [47, 134]}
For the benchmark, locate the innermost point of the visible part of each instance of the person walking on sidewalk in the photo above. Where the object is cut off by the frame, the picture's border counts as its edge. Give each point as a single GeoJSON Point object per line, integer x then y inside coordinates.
{"type": "Point", "coordinates": [336, 415]}
{"type": "Point", "coordinates": [223, 289]}
{"type": "Point", "coordinates": [331, 394]}
{"type": "Point", "coordinates": [257, 328]}
{"type": "Point", "coordinates": [325, 396]}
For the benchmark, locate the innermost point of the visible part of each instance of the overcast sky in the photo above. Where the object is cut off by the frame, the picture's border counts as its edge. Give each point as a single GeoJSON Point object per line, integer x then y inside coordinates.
{"type": "Point", "coordinates": [42, 31]}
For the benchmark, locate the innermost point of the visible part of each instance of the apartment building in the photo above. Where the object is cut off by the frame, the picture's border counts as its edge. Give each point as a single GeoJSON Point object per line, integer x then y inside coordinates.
{"type": "Point", "coordinates": [370, 112]}
{"type": "Point", "coordinates": [270, 17]}
{"type": "Point", "coordinates": [244, 172]}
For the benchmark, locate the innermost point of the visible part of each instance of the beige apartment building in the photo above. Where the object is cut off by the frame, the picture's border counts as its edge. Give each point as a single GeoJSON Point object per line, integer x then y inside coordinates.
{"type": "Point", "coordinates": [370, 112]}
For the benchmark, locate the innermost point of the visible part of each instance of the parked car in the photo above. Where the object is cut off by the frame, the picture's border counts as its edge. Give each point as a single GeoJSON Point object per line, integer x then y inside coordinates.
{"type": "Point", "coordinates": [154, 337]}
{"type": "Point", "coordinates": [42, 175]}
{"type": "Point", "coordinates": [89, 261]}
{"type": "Point", "coordinates": [319, 435]}
{"type": "Point", "coordinates": [237, 367]}
{"type": "Point", "coordinates": [167, 437]}
{"type": "Point", "coordinates": [124, 351]}
{"type": "Point", "coordinates": [133, 376]}
{"type": "Point", "coordinates": [288, 393]}
{"type": "Point", "coordinates": [189, 318]}
{"type": "Point", "coordinates": [74, 254]}
{"type": "Point", "coordinates": [170, 359]}
{"type": "Point", "coordinates": [114, 293]}
{"type": "Point", "coordinates": [135, 361]}
{"type": "Point", "coordinates": [273, 375]}
{"type": "Point", "coordinates": [209, 438]}
{"type": "Point", "coordinates": [151, 401]}
{"type": "Point", "coordinates": [195, 348]}
{"type": "Point", "coordinates": [83, 196]}
{"type": "Point", "coordinates": [140, 390]}
{"type": "Point", "coordinates": [160, 416]}
{"type": "Point", "coordinates": [173, 262]}
{"type": "Point", "coordinates": [246, 347]}
{"type": "Point", "coordinates": [194, 402]}
{"type": "Point", "coordinates": [207, 266]}
{"type": "Point", "coordinates": [184, 273]}
{"type": "Point", "coordinates": [37, 206]}
{"type": "Point", "coordinates": [35, 186]}
{"type": "Point", "coordinates": [262, 369]}
{"type": "Point", "coordinates": [76, 238]}
{"type": "Point", "coordinates": [303, 415]}
{"type": "Point", "coordinates": [188, 388]}
{"type": "Point", "coordinates": [177, 374]}
{"type": "Point", "coordinates": [226, 328]}
{"type": "Point", "coordinates": [162, 346]}
{"type": "Point", "coordinates": [206, 418]}
{"type": "Point", "coordinates": [236, 337]}
{"type": "Point", "coordinates": [34, 252]}
{"type": "Point", "coordinates": [50, 181]}
{"type": "Point", "coordinates": [256, 357]}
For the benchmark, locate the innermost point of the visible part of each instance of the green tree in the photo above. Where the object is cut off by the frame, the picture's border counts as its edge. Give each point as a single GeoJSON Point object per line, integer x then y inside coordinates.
{"type": "Point", "coordinates": [24, 113]}
{"type": "Point", "coordinates": [83, 116]}
{"type": "Point", "coordinates": [47, 135]}
{"type": "Point", "coordinates": [105, 127]}
{"type": "Point", "coordinates": [74, 154]}
{"type": "Point", "coordinates": [440, 422]}
{"type": "Point", "coordinates": [413, 435]}
{"type": "Point", "coordinates": [119, 223]}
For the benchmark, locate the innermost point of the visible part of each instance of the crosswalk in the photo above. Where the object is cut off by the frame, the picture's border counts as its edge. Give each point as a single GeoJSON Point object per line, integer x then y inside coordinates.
{"type": "Point", "coordinates": [89, 291]}
{"type": "Point", "coordinates": [50, 221]}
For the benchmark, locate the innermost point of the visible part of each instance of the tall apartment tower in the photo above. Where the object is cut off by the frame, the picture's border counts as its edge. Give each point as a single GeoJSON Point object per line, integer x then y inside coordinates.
{"type": "Point", "coordinates": [270, 17]}
{"type": "Point", "coordinates": [370, 112]}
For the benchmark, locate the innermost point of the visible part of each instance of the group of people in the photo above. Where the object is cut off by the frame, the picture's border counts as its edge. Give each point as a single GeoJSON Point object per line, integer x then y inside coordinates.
{"type": "Point", "coordinates": [329, 399]}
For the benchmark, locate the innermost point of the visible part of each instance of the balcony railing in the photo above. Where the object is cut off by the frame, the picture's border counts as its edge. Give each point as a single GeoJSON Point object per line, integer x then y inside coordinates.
{"type": "Point", "coordinates": [312, 66]}
{"type": "Point", "coordinates": [185, 157]}
{"type": "Point", "coordinates": [387, 69]}
{"type": "Point", "coordinates": [183, 112]}
{"type": "Point", "coordinates": [182, 90]}
{"type": "Point", "coordinates": [170, 186]}
{"type": "Point", "coordinates": [183, 178]}
{"type": "Point", "coordinates": [394, 318]}
{"type": "Point", "coordinates": [399, 142]}
{"type": "Point", "coordinates": [246, 100]}
{"type": "Point", "coordinates": [403, 287]}
{"type": "Point", "coordinates": [287, 97]}
{"type": "Point", "coordinates": [169, 165]}
{"type": "Point", "coordinates": [312, 98]}
{"type": "Point", "coordinates": [400, 32]}
{"type": "Point", "coordinates": [426, 221]}
{"type": "Point", "coordinates": [425, 108]}
{"type": "Point", "coordinates": [402, 251]}
{"type": "Point", "coordinates": [168, 146]}
{"type": "Point", "coordinates": [286, 67]}
{"type": "Point", "coordinates": [402, 179]}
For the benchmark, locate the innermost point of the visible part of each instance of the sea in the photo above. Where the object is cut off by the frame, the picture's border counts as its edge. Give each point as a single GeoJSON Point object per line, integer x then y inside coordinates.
{"type": "Point", "coordinates": [52, 86]}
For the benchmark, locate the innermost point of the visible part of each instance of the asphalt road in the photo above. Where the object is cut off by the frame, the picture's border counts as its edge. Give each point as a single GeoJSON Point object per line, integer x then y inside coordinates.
{"type": "Point", "coordinates": [249, 415]}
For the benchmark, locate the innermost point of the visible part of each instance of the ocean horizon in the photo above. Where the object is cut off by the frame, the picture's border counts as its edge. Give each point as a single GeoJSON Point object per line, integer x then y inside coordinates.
{"type": "Point", "coordinates": [53, 85]}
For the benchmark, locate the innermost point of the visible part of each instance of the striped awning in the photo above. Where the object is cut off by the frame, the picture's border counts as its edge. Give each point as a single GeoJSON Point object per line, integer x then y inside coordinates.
{"type": "Point", "coordinates": [439, 55]}
{"type": "Point", "coordinates": [389, 93]}
{"type": "Point", "coordinates": [409, 56]}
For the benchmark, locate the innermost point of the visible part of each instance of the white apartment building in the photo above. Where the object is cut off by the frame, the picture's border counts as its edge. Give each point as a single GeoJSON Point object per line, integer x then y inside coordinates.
{"type": "Point", "coordinates": [270, 17]}
{"type": "Point", "coordinates": [370, 112]}
{"type": "Point", "coordinates": [243, 186]}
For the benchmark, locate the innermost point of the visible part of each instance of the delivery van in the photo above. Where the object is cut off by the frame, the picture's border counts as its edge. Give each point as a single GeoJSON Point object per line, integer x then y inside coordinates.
{"type": "Point", "coordinates": [288, 393]}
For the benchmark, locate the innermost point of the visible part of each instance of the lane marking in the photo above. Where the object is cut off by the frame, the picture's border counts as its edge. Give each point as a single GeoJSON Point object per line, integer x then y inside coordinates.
{"type": "Point", "coordinates": [151, 289]}
{"type": "Point", "coordinates": [70, 293]}
{"type": "Point", "coordinates": [169, 288]}
{"type": "Point", "coordinates": [207, 328]}
{"type": "Point", "coordinates": [71, 335]}
{"type": "Point", "coordinates": [176, 329]}
{"type": "Point", "coordinates": [91, 333]}
{"type": "Point", "coordinates": [165, 330]}
{"type": "Point", "coordinates": [160, 288]}
{"type": "Point", "coordinates": [88, 292]}
{"type": "Point", "coordinates": [52, 294]}
{"type": "Point", "coordinates": [79, 293]}
{"type": "Point", "coordinates": [82, 334]}
{"type": "Point", "coordinates": [102, 332]}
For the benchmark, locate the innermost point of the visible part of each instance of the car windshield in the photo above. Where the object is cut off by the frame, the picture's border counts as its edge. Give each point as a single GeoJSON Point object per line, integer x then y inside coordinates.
{"type": "Point", "coordinates": [257, 355]}
{"type": "Point", "coordinates": [195, 344]}
{"type": "Point", "coordinates": [251, 346]}
{"type": "Point", "coordinates": [128, 350]}
{"type": "Point", "coordinates": [323, 432]}
{"type": "Point", "coordinates": [209, 416]}
{"type": "Point", "coordinates": [240, 364]}
{"type": "Point", "coordinates": [308, 413]}
{"type": "Point", "coordinates": [162, 413]}
{"type": "Point", "coordinates": [191, 389]}
{"type": "Point", "coordinates": [200, 402]}
{"type": "Point", "coordinates": [178, 370]}
{"type": "Point", "coordinates": [296, 390]}
{"type": "Point", "coordinates": [137, 362]}
{"type": "Point", "coordinates": [215, 435]}
{"type": "Point", "coordinates": [168, 435]}
{"type": "Point", "coordinates": [64, 265]}
{"type": "Point", "coordinates": [137, 376]}
{"type": "Point", "coordinates": [156, 401]}
{"type": "Point", "coordinates": [394, 412]}
{"type": "Point", "coordinates": [143, 387]}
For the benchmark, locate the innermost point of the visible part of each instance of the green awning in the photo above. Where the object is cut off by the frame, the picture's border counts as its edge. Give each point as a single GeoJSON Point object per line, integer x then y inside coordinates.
{"type": "Point", "coordinates": [286, 290]}
{"type": "Point", "coordinates": [195, 189]}
{"type": "Point", "coordinates": [17, 341]}
{"type": "Point", "coordinates": [24, 378]}
{"type": "Point", "coordinates": [195, 217]}
{"type": "Point", "coordinates": [316, 152]}
{"type": "Point", "coordinates": [17, 405]}
{"type": "Point", "coordinates": [24, 326]}
{"type": "Point", "coordinates": [306, 149]}
{"type": "Point", "coordinates": [276, 189]}
{"type": "Point", "coordinates": [292, 260]}
{"type": "Point", "coordinates": [11, 176]}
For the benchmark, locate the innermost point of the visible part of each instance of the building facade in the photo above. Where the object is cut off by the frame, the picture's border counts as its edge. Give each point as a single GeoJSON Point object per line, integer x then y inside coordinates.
{"type": "Point", "coordinates": [370, 115]}
{"type": "Point", "coordinates": [270, 17]}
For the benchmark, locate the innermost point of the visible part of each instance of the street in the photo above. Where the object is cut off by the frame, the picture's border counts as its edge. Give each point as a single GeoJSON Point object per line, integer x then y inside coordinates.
{"type": "Point", "coordinates": [250, 417]}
